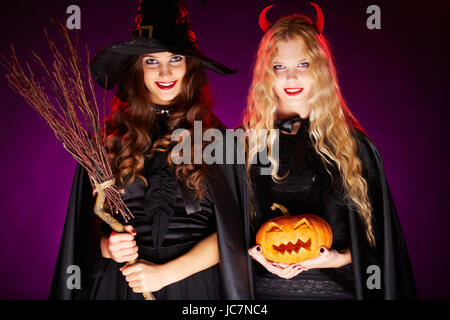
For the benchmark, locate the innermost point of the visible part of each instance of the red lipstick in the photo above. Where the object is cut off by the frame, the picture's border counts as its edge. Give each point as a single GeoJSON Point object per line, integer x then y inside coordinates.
{"type": "Point", "coordinates": [166, 85]}
{"type": "Point", "coordinates": [293, 91]}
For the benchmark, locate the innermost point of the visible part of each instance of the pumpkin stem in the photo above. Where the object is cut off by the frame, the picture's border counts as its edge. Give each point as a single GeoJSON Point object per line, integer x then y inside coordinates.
{"type": "Point", "coordinates": [281, 207]}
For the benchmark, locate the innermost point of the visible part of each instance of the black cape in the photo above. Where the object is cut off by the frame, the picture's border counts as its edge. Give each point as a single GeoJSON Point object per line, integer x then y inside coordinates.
{"type": "Point", "coordinates": [390, 253]}
{"type": "Point", "coordinates": [80, 244]}
{"type": "Point", "coordinates": [389, 258]}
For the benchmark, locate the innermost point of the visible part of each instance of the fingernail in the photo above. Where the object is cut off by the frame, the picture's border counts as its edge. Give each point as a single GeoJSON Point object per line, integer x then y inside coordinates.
{"type": "Point", "coordinates": [322, 250]}
{"type": "Point", "coordinates": [258, 248]}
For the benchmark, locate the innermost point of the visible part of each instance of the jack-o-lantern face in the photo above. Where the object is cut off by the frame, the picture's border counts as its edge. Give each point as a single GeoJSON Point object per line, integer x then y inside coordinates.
{"type": "Point", "coordinates": [294, 239]}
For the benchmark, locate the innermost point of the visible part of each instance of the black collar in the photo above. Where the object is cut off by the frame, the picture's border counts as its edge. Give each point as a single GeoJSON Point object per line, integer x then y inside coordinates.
{"type": "Point", "coordinates": [288, 124]}
{"type": "Point", "coordinates": [164, 110]}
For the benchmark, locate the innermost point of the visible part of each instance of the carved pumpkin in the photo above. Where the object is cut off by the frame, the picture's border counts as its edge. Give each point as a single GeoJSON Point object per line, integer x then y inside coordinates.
{"type": "Point", "coordinates": [293, 239]}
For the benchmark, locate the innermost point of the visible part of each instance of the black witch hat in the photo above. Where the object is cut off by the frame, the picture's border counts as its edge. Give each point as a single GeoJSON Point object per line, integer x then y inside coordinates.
{"type": "Point", "coordinates": [160, 25]}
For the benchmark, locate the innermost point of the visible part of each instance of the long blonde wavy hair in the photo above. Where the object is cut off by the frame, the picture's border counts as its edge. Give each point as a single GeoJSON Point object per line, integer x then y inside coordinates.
{"type": "Point", "coordinates": [331, 122]}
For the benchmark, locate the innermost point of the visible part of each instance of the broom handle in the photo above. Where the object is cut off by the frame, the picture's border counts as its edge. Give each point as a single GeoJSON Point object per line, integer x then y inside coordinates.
{"type": "Point", "coordinates": [115, 225]}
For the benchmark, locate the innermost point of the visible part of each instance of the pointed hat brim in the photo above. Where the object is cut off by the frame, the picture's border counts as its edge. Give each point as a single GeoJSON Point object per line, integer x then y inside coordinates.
{"type": "Point", "coordinates": [108, 64]}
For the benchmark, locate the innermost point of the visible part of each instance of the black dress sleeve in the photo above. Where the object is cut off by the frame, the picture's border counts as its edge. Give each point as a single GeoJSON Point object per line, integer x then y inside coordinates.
{"type": "Point", "coordinates": [334, 208]}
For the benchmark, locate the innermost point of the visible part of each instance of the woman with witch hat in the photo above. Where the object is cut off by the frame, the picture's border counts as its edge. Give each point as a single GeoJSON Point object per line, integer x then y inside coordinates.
{"type": "Point", "coordinates": [181, 211]}
{"type": "Point", "coordinates": [327, 166]}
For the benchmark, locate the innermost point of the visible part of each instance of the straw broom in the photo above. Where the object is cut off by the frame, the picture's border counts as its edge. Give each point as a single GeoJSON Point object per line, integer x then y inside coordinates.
{"type": "Point", "coordinates": [74, 105]}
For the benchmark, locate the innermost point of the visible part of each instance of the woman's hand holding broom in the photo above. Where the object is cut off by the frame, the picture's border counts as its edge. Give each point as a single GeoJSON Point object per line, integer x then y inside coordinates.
{"type": "Point", "coordinates": [120, 247]}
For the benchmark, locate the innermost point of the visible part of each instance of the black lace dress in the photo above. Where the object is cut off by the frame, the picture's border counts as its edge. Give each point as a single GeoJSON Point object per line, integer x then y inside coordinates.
{"type": "Point", "coordinates": [307, 189]}
{"type": "Point", "coordinates": [165, 230]}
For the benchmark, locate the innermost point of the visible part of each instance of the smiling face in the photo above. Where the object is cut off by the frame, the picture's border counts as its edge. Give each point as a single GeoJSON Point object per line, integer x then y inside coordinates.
{"type": "Point", "coordinates": [163, 75]}
{"type": "Point", "coordinates": [294, 239]}
{"type": "Point", "coordinates": [293, 83]}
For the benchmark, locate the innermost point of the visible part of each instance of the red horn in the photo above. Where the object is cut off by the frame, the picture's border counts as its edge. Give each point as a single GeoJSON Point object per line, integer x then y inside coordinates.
{"type": "Point", "coordinates": [319, 17]}
{"type": "Point", "coordinates": [264, 24]}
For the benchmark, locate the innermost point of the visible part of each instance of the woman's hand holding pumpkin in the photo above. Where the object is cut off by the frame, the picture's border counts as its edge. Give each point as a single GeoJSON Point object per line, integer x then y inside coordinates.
{"type": "Point", "coordinates": [285, 271]}
{"type": "Point", "coordinates": [328, 258]}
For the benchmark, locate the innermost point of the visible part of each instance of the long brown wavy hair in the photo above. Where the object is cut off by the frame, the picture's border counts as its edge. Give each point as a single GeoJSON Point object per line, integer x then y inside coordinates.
{"type": "Point", "coordinates": [132, 120]}
{"type": "Point", "coordinates": [332, 125]}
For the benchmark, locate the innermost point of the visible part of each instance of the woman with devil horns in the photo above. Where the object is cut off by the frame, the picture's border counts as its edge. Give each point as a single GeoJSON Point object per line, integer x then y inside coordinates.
{"type": "Point", "coordinates": [180, 211]}
{"type": "Point", "coordinates": [328, 166]}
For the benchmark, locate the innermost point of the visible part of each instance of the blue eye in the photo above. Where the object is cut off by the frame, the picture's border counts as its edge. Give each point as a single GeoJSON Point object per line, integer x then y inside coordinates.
{"type": "Point", "coordinates": [303, 65]}
{"type": "Point", "coordinates": [278, 67]}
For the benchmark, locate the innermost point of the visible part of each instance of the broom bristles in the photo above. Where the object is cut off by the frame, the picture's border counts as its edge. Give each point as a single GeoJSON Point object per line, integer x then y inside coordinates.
{"type": "Point", "coordinates": [74, 115]}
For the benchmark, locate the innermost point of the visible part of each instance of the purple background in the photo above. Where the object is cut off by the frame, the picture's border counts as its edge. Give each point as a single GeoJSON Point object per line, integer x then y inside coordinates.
{"type": "Point", "coordinates": [393, 80]}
